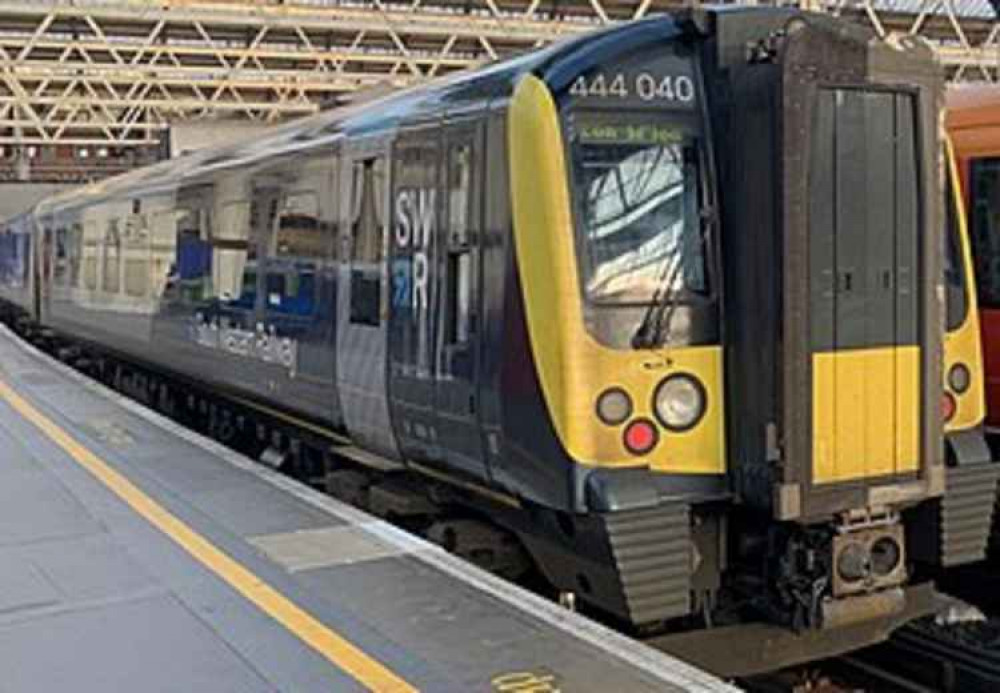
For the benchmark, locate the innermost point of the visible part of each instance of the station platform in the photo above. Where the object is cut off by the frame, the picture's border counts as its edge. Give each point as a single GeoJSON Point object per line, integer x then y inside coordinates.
{"type": "Point", "coordinates": [136, 555]}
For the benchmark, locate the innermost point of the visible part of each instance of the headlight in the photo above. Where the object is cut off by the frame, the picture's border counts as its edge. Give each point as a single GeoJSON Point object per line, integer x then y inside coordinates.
{"type": "Point", "coordinates": [614, 406]}
{"type": "Point", "coordinates": [641, 437]}
{"type": "Point", "coordinates": [679, 402]}
{"type": "Point", "coordinates": [959, 378]}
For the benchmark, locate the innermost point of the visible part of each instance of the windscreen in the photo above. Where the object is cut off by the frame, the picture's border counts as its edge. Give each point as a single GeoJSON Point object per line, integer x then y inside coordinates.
{"type": "Point", "coordinates": [639, 226]}
{"type": "Point", "coordinates": [634, 135]}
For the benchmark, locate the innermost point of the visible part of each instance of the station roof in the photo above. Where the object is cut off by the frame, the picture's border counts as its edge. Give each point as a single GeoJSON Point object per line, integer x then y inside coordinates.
{"type": "Point", "coordinates": [978, 9]}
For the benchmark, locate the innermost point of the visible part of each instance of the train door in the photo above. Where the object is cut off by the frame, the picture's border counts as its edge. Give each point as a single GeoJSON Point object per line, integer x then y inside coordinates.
{"type": "Point", "coordinates": [416, 210]}
{"type": "Point", "coordinates": [362, 298]}
{"type": "Point", "coordinates": [434, 262]}
{"type": "Point", "coordinates": [864, 261]}
{"type": "Point", "coordinates": [457, 395]}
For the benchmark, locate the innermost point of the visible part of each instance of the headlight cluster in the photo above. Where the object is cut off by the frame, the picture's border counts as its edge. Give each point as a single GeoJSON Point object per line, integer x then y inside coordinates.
{"type": "Point", "coordinates": [959, 380]}
{"type": "Point", "coordinates": [679, 403]}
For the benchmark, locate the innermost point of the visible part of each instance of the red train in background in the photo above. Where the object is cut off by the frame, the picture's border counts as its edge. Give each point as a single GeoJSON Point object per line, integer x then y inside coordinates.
{"type": "Point", "coordinates": [973, 123]}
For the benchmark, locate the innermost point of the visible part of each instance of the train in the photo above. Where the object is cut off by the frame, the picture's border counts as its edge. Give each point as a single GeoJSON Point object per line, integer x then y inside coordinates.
{"type": "Point", "coordinates": [972, 116]}
{"type": "Point", "coordinates": [682, 304]}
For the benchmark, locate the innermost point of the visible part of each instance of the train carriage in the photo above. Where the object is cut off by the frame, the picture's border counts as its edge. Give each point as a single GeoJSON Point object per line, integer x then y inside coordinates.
{"type": "Point", "coordinates": [16, 277]}
{"type": "Point", "coordinates": [972, 117]}
{"type": "Point", "coordinates": [664, 300]}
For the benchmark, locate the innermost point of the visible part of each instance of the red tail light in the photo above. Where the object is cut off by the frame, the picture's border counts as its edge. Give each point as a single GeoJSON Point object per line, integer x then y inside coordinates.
{"type": "Point", "coordinates": [641, 436]}
{"type": "Point", "coordinates": [948, 407]}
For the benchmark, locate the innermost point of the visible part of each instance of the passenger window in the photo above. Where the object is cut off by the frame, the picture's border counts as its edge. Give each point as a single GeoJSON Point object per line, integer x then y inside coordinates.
{"type": "Point", "coordinates": [298, 232]}
{"type": "Point", "coordinates": [136, 276]}
{"type": "Point", "coordinates": [74, 249]}
{"type": "Point", "coordinates": [111, 258]}
{"type": "Point", "coordinates": [233, 263]}
{"type": "Point", "coordinates": [163, 249]}
{"type": "Point", "coordinates": [61, 261]}
{"type": "Point", "coordinates": [367, 240]}
{"type": "Point", "coordinates": [8, 257]}
{"type": "Point", "coordinates": [137, 253]}
{"type": "Point", "coordinates": [986, 229]}
{"type": "Point", "coordinates": [46, 255]}
{"type": "Point", "coordinates": [91, 252]}
{"type": "Point", "coordinates": [291, 290]}
{"type": "Point", "coordinates": [458, 312]}
{"type": "Point", "coordinates": [298, 243]}
{"type": "Point", "coordinates": [192, 267]}
{"type": "Point", "coordinates": [459, 175]}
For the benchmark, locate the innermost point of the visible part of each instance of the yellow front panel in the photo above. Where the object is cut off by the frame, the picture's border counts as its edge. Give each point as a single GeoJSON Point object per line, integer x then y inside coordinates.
{"type": "Point", "coordinates": [866, 413]}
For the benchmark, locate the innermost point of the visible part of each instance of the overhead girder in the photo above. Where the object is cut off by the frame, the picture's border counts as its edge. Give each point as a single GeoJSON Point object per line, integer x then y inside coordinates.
{"type": "Point", "coordinates": [118, 72]}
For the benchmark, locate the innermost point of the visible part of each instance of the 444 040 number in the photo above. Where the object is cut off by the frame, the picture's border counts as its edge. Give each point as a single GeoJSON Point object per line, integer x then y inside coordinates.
{"type": "Point", "coordinates": [642, 85]}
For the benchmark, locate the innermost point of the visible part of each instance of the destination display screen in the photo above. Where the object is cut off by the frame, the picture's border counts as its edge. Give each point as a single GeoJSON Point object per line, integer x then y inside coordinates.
{"type": "Point", "coordinates": [667, 81]}
{"type": "Point", "coordinates": [592, 130]}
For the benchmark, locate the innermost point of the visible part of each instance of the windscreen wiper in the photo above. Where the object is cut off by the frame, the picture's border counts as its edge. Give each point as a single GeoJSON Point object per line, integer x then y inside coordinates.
{"type": "Point", "coordinates": [660, 313]}
{"type": "Point", "coordinates": [647, 335]}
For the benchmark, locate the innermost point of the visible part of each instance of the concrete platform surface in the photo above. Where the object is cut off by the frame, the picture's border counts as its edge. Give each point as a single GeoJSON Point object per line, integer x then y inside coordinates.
{"type": "Point", "coordinates": [136, 555]}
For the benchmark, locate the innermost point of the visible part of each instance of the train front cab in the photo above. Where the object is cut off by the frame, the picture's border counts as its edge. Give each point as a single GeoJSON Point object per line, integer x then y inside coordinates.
{"type": "Point", "coordinates": [966, 510]}
{"type": "Point", "coordinates": [973, 124]}
{"type": "Point", "coordinates": [748, 398]}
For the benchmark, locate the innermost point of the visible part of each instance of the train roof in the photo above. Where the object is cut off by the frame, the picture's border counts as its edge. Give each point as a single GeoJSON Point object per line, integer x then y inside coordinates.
{"type": "Point", "coordinates": [431, 99]}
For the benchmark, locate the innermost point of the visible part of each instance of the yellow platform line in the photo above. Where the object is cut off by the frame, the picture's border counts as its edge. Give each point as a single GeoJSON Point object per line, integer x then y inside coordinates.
{"type": "Point", "coordinates": [339, 651]}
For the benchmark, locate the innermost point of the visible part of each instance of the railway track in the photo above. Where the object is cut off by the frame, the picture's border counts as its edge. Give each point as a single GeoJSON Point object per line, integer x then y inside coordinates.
{"type": "Point", "coordinates": [925, 656]}
{"type": "Point", "coordinates": [955, 658]}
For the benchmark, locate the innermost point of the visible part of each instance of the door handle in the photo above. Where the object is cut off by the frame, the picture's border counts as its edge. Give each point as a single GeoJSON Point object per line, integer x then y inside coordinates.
{"type": "Point", "coordinates": [846, 281]}
{"type": "Point", "coordinates": [887, 279]}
